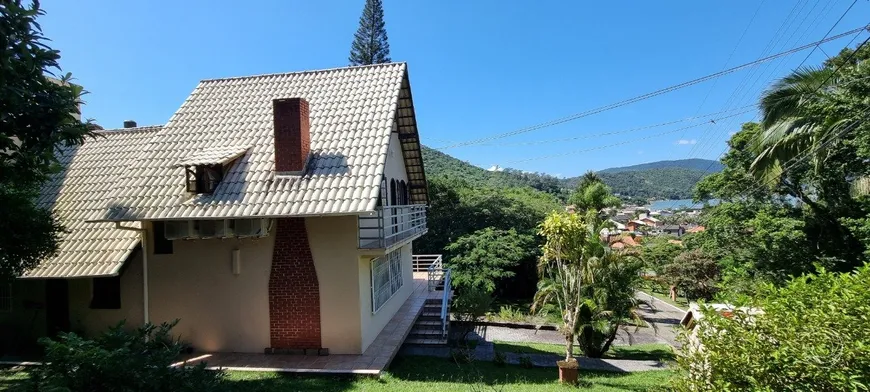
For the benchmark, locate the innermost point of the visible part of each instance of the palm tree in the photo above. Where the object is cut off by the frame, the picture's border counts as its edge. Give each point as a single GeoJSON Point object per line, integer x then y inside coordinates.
{"type": "Point", "coordinates": [794, 121]}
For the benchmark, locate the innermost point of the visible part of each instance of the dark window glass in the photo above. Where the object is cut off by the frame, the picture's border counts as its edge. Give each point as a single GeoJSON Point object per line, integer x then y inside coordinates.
{"type": "Point", "coordinates": [106, 293]}
{"type": "Point", "coordinates": [162, 246]}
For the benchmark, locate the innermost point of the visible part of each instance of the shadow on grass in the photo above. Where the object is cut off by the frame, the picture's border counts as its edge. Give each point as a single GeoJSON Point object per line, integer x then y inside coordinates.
{"type": "Point", "coordinates": [433, 370]}
{"type": "Point", "coordinates": [654, 351]}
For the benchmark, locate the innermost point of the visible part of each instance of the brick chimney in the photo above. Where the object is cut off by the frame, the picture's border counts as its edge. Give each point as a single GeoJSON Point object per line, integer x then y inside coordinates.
{"type": "Point", "coordinates": [292, 137]}
{"type": "Point", "coordinates": [129, 124]}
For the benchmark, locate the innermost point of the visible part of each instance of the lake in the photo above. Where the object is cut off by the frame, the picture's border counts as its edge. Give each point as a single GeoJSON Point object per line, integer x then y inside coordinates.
{"type": "Point", "coordinates": [678, 204]}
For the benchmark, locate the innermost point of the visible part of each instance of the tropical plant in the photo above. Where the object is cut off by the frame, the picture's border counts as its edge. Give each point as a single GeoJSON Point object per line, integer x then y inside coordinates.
{"type": "Point", "coordinates": [121, 360]}
{"type": "Point", "coordinates": [811, 335]}
{"type": "Point", "coordinates": [593, 194]}
{"type": "Point", "coordinates": [563, 270]}
{"type": "Point", "coordinates": [610, 300]}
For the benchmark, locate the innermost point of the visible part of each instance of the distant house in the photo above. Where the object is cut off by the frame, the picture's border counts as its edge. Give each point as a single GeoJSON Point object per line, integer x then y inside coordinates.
{"type": "Point", "coordinates": [649, 221]}
{"type": "Point", "coordinates": [696, 229]}
{"type": "Point", "coordinates": [676, 230]}
{"type": "Point", "coordinates": [634, 225]}
{"type": "Point", "coordinates": [622, 218]}
{"type": "Point", "coordinates": [624, 241]}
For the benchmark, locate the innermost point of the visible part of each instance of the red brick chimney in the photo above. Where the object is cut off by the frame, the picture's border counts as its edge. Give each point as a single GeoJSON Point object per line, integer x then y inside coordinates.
{"type": "Point", "coordinates": [292, 136]}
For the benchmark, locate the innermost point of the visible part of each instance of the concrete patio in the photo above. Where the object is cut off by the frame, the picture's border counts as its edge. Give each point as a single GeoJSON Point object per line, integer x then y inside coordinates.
{"type": "Point", "coordinates": [372, 362]}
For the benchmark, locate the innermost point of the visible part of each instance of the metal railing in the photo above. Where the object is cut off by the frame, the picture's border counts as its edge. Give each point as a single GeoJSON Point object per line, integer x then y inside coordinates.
{"type": "Point", "coordinates": [421, 263]}
{"type": "Point", "coordinates": [445, 304]}
{"type": "Point", "coordinates": [390, 225]}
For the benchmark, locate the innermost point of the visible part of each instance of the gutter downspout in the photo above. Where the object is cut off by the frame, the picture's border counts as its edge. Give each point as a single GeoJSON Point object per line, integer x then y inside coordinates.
{"type": "Point", "coordinates": [144, 243]}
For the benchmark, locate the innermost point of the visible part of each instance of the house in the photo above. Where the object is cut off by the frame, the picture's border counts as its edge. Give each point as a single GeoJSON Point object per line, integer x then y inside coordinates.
{"type": "Point", "coordinates": [624, 241]}
{"type": "Point", "coordinates": [648, 220]}
{"type": "Point", "coordinates": [676, 230]}
{"type": "Point", "coordinates": [696, 229]}
{"type": "Point", "coordinates": [272, 213]}
{"type": "Point", "coordinates": [635, 225]}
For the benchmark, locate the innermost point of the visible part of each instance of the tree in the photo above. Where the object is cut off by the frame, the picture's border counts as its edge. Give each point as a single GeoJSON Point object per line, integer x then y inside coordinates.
{"type": "Point", "coordinates": [694, 273]}
{"type": "Point", "coordinates": [39, 116]}
{"type": "Point", "coordinates": [593, 194]}
{"type": "Point", "coordinates": [486, 256]}
{"type": "Point", "coordinates": [610, 300]}
{"type": "Point", "coordinates": [563, 268]}
{"type": "Point", "coordinates": [370, 44]}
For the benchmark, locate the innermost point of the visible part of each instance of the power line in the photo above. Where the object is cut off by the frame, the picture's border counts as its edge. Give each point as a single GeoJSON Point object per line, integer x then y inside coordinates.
{"type": "Point", "coordinates": [829, 32]}
{"type": "Point", "coordinates": [620, 143]}
{"type": "Point", "coordinates": [568, 139]}
{"type": "Point", "coordinates": [834, 72]}
{"type": "Point", "coordinates": [650, 94]}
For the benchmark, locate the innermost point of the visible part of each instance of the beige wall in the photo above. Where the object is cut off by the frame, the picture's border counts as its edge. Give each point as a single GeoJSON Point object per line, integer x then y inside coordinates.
{"type": "Point", "coordinates": [219, 311]}
{"type": "Point", "coordinates": [89, 321]}
{"type": "Point", "coordinates": [373, 323]}
{"type": "Point", "coordinates": [333, 242]}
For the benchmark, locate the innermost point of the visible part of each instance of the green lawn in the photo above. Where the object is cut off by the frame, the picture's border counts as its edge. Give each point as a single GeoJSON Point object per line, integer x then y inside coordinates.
{"type": "Point", "coordinates": [653, 351]}
{"type": "Point", "coordinates": [424, 374]}
{"type": "Point", "coordinates": [519, 311]}
{"type": "Point", "coordinates": [681, 302]}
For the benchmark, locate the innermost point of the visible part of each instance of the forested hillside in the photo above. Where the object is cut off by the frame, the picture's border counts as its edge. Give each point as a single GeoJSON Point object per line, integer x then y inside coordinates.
{"type": "Point", "coordinates": [692, 164]}
{"type": "Point", "coordinates": [654, 180]}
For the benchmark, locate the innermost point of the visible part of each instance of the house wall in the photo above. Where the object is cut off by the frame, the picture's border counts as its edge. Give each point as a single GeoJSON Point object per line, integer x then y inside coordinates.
{"type": "Point", "coordinates": [89, 321]}
{"type": "Point", "coordinates": [333, 242]}
{"type": "Point", "coordinates": [373, 323]}
{"type": "Point", "coordinates": [218, 311]}
{"type": "Point", "coordinates": [395, 167]}
{"type": "Point", "coordinates": [20, 327]}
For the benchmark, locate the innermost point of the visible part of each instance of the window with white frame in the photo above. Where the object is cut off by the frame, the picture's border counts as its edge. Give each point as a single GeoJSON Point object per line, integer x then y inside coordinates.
{"type": "Point", "coordinates": [386, 278]}
{"type": "Point", "coordinates": [5, 297]}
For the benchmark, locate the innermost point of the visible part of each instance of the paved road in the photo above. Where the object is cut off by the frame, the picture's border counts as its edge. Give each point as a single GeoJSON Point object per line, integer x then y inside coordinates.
{"type": "Point", "coordinates": [664, 316]}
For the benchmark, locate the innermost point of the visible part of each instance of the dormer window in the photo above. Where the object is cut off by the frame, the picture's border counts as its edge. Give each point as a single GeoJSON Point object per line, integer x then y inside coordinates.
{"type": "Point", "coordinates": [205, 169]}
{"type": "Point", "coordinates": [203, 178]}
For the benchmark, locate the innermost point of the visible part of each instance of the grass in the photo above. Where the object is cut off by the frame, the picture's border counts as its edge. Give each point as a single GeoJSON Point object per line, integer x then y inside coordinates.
{"type": "Point", "coordinates": [681, 302]}
{"type": "Point", "coordinates": [519, 311]}
{"type": "Point", "coordinates": [650, 351]}
{"type": "Point", "coordinates": [425, 374]}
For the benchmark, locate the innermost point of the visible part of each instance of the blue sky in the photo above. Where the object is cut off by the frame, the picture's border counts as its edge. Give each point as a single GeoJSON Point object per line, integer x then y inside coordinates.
{"type": "Point", "coordinates": [477, 68]}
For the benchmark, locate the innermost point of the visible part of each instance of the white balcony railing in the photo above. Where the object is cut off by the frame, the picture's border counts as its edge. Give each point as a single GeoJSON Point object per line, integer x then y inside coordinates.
{"type": "Point", "coordinates": [390, 225]}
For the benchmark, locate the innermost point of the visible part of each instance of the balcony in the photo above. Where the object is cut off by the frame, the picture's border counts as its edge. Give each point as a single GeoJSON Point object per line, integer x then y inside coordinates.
{"type": "Point", "coordinates": [392, 226]}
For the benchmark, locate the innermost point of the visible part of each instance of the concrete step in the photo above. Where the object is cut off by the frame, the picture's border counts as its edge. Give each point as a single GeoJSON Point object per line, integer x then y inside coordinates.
{"type": "Point", "coordinates": [428, 322]}
{"type": "Point", "coordinates": [417, 332]}
{"type": "Point", "coordinates": [425, 341]}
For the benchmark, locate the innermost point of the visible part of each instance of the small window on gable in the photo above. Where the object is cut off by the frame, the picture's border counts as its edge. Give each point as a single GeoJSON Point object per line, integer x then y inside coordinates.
{"type": "Point", "coordinates": [106, 293]}
{"type": "Point", "coordinates": [203, 178]}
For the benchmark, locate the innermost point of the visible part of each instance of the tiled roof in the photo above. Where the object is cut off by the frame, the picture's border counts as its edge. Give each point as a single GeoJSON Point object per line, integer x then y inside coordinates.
{"type": "Point", "coordinates": [76, 194]}
{"type": "Point", "coordinates": [351, 118]}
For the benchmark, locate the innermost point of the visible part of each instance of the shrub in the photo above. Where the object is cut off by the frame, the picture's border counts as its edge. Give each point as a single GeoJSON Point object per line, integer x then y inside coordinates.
{"type": "Point", "coordinates": [813, 335]}
{"type": "Point", "coordinates": [121, 360]}
{"type": "Point", "coordinates": [695, 273]}
{"type": "Point", "coordinates": [469, 307]}
{"type": "Point", "coordinates": [510, 313]}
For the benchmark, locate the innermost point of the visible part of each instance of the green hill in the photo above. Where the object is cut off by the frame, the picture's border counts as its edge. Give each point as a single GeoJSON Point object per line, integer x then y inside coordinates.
{"type": "Point", "coordinates": [653, 180]}
{"type": "Point", "coordinates": [692, 164]}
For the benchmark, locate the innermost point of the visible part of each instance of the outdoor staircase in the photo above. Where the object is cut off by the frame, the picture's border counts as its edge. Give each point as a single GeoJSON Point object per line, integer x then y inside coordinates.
{"type": "Point", "coordinates": [429, 329]}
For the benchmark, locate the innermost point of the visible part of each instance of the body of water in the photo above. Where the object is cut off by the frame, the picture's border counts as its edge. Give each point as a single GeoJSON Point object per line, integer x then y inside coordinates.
{"type": "Point", "coordinates": [678, 204]}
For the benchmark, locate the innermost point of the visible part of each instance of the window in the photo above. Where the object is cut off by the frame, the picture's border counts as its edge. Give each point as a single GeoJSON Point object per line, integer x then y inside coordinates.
{"type": "Point", "coordinates": [386, 278]}
{"type": "Point", "coordinates": [5, 297]}
{"type": "Point", "coordinates": [203, 178]}
{"type": "Point", "coordinates": [106, 293]}
{"type": "Point", "coordinates": [162, 245]}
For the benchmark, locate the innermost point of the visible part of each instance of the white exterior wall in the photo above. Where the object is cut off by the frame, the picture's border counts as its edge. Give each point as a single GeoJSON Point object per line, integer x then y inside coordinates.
{"type": "Point", "coordinates": [92, 321]}
{"type": "Point", "coordinates": [373, 323]}
{"type": "Point", "coordinates": [395, 166]}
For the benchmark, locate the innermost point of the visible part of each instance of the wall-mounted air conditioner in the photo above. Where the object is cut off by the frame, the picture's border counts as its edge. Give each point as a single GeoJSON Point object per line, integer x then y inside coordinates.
{"type": "Point", "coordinates": [250, 227]}
{"type": "Point", "coordinates": [176, 230]}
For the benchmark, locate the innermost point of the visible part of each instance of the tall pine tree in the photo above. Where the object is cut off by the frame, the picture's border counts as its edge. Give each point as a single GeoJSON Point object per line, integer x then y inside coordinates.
{"type": "Point", "coordinates": [370, 44]}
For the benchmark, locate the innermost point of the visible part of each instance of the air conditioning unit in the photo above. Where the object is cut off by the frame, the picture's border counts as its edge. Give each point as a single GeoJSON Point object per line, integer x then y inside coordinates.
{"type": "Point", "coordinates": [176, 230]}
{"type": "Point", "coordinates": [250, 227]}
{"type": "Point", "coordinates": [206, 228]}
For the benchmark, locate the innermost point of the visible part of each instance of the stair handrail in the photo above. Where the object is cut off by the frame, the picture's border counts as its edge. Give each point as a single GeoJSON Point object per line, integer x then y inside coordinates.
{"type": "Point", "coordinates": [445, 303]}
{"type": "Point", "coordinates": [435, 271]}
